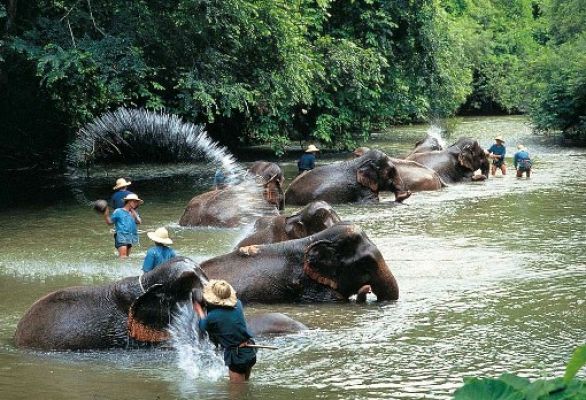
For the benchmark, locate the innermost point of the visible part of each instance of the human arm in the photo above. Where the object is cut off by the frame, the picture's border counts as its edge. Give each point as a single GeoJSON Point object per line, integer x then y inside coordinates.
{"type": "Point", "coordinates": [203, 322]}
{"type": "Point", "coordinates": [107, 217]}
{"type": "Point", "coordinates": [516, 160]}
{"type": "Point", "coordinates": [149, 261]}
{"type": "Point", "coordinates": [135, 216]}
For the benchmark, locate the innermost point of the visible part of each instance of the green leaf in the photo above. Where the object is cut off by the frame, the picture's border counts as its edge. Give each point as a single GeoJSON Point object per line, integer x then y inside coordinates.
{"type": "Point", "coordinates": [487, 389]}
{"type": "Point", "coordinates": [577, 361]}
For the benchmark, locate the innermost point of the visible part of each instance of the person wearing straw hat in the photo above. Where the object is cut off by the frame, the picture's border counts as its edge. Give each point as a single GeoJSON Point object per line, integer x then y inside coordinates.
{"type": "Point", "coordinates": [160, 252]}
{"type": "Point", "coordinates": [497, 153]}
{"type": "Point", "coordinates": [226, 326]}
{"type": "Point", "coordinates": [522, 161]}
{"type": "Point", "coordinates": [307, 160]}
{"type": "Point", "coordinates": [125, 222]}
{"type": "Point", "coordinates": [120, 192]}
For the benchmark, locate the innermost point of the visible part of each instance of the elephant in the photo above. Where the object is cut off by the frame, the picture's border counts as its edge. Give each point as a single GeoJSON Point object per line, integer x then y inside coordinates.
{"type": "Point", "coordinates": [273, 324]}
{"type": "Point", "coordinates": [456, 163]}
{"type": "Point", "coordinates": [270, 172]}
{"type": "Point", "coordinates": [131, 311]}
{"type": "Point", "coordinates": [417, 177]}
{"type": "Point", "coordinates": [354, 181]}
{"type": "Point", "coordinates": [427, 144]}
{"type": "Point", "coordinates": [331, 265]}
{"type": "Point", "coordinates": [313, 218]}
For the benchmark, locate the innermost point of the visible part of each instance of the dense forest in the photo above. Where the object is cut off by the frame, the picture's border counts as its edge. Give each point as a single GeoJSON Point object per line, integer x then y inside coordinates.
{"type": "Point", "coordinates": [273, 71]}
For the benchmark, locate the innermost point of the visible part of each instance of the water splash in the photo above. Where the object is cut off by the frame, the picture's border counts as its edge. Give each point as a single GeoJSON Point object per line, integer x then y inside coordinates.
{"type": "Point", "coordinates": [435, 131]}
{"type": "Point", "coordinates": [196, 359]}
{"type": "Point", "coordinates": [138, 135]}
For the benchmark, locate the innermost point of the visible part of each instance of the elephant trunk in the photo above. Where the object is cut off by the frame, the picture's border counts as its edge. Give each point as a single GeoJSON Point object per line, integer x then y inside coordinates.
{"type": "Point", "coordinates": [384, 285]}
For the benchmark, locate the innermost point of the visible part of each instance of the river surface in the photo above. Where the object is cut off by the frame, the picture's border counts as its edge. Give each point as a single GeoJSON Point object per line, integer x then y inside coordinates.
{"type": "Point", "coordinates": [492, 278]}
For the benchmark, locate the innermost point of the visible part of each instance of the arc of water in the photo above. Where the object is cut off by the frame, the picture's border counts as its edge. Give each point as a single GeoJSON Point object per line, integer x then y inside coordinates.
{"type": "Point", "coordinates": [114, 131]}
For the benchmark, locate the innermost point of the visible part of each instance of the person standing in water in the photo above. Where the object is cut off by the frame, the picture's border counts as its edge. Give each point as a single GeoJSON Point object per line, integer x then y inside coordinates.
{"type": "Point", "coordinates": [120, 192]}
{"type": "Point", "coordinates": [522, 161]}
{"type": "Point", "coordinates": [160, 252]}
{"type": "Point", "coordinates": [307, 160]}
{"type": "Point", "coordinates": [125, 221]}
{"type": "Point", "coordinates": [497, 153]}
{"type": "Point", "coordinates": [226, 326]}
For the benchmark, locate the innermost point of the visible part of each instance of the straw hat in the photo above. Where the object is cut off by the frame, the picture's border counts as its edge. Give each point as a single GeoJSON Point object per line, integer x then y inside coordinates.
{"type": "Point", "coordinates": [219, 293]}
{"type": "Point", "coordinates": [121, 182]}
{"type": "Point", "coordinates": [360, 151]}
{"type": "Point", "coordinates": [520, 146]}
{"type": "Point", "coordinates": [160, 235]}
{"type": "Point", "coordinates": [311, 149]}
{"type": "Point", "coordinates": [132, 196]}
{"type": "Point", "coordinates": [499, 138]}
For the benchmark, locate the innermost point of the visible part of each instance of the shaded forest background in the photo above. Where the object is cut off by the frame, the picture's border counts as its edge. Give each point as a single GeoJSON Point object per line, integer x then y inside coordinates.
{"type": "Point", "coordinates": [276, 71]}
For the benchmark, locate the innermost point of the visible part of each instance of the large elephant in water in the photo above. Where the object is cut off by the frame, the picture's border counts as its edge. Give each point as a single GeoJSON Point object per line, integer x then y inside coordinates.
{"type": "Point", "coordinates": [457, 162]}
{"type": "Point", "coordinates": [354, 181]}
{"type": "Point", "coordinates": [427, 144]}
{"type": "Point", "coordinates": [313, 218]}
{"type": "Point", "coordinates": [130, 311]}
{"type": "Point", "coordinates": [270, 172]}
{"type": "Point", "coordinates": [417, 177]}
{"type": "Point", "coordinates": [331, 265]}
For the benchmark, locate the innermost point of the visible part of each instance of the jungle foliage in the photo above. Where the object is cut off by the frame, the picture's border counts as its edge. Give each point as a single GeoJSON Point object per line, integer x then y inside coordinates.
{"type": "Point", "coordinates": [512, 387]}
{"type": "Point", "coordinates": [273, 71]}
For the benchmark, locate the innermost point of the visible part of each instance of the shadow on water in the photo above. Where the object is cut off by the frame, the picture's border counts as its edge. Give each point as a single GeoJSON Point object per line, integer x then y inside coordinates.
{"type": "Point", "coordinates": [491, 276]}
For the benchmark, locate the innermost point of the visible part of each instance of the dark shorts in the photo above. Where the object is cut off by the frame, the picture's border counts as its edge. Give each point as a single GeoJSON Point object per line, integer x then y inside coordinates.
{"type": "Point", "coordinates": [118, 244]}
{"type": "Point", "coordinates": [498, 163]}
{"type": "Point", "coordinates": [242, 368]}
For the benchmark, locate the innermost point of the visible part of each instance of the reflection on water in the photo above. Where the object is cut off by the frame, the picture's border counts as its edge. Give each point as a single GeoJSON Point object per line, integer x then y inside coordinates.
{"type": "Point", "coordinates": [491, 276]}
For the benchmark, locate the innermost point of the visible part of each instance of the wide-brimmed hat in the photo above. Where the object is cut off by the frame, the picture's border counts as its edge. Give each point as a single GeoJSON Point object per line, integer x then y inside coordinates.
{"type": "Point", "coordinates": [219, 293]}
{"type": "Point", "coordinates": [160, 235]}
{"type": "Point", "coordinates": [120, 183]}
{"type": "Point", "coordinates": [520, 147]}
{"type": "Point", "coordinates": [499, 138]}
{"type": "Point", "coordinates": [132, 196]}
{"type": "Point", "coordinates": [311, 149]}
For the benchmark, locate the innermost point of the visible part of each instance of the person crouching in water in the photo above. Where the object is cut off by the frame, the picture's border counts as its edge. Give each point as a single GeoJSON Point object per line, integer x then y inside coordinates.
{"type": "Point", "coordinates": [160, 252]}
{"type": "Point", "coordinates": [125, 220]}
{"type": "Point", "coordinates": [226, 326]}
{"type": "Point", "coordinates": [522, 161]}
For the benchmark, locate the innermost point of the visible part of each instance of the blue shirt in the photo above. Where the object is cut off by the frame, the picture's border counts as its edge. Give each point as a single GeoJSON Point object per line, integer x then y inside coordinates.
{"type": "Point", "coordinates": [521, 155]}
{"type": "Point", "coordinates": [156, 256]}
{"type": "Point", "coordinates": [117, 200]}
{"type": "Point", "coordinates": [306, 162]}
{"type": "Point", "coordinates": [126, 230]}
{"type": "Point", "coordinates": [499, 150]}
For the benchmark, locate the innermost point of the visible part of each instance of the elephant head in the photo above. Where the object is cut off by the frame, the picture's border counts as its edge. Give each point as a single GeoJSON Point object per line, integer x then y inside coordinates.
{"type": "Point", "coordinates": [345, 260]}
{"type": "Point", "coordinates": [471, 156]}
{"type": "Point", "coordinates": [377, 172]}
{"type": "Point", "coordinates": [271, 176]}
{"type": "Point", "coordinates": [313, 218]}
{"type": "Point", "coordinates": [428, 143]}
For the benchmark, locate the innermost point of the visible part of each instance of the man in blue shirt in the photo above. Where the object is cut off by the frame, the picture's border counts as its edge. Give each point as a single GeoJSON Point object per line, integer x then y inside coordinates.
{"type": "Point", "coordinates": [161, 252]}
{"type": "Point", "coordinates": [307, 160]}
{"type": "Point", "coordinates": [121, 191]}
{"type": "Point", "coordinates": [226, 326]}
{"type": "Point", "coordinates": [497, 152]}
{"type": "Point", "coordinates": [125, 220]}
{"type": "Point", "coordinates": [522, 161]}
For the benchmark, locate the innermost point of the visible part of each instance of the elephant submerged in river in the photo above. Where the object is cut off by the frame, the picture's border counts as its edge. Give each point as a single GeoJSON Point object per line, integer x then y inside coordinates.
{"type": "Point", "coordinates": [130, 312]}
{"type": "Point", "coordinates": [313, 218]}
{"type": "Point", "coordinates": [331, 265]}
{"type": "Point", "coordinates": [457, 162]}
{"type": "Point", "coordinates": [221, 207]}
{"type": "Point", "coordinates": [417, 177]}
{"type": "Point", "coordinates": [354, 181]}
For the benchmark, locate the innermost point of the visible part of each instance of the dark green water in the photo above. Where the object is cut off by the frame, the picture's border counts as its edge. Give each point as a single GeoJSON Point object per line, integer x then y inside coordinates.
{"type": "Point", "coordinates": [492, 278]}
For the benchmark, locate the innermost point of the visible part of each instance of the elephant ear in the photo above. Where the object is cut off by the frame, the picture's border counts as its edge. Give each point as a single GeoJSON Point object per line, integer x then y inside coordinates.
{"type": "Point", "coordinates": [294, 228]}
{"type": "Point", "coordinates": [466, 158]}
{"type": "Point", "coordinates": [367, 176]}
{"type": "Point", "coordinates": [319, 263]}
{"type": "Point", "coordinates": [148, 317]}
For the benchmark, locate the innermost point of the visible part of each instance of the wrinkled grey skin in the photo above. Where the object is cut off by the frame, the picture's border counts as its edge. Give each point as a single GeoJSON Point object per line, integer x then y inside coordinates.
{"type": "Point", "coordinates": [119, 314]}
{"type": "Point", "coordinates": [427, 144]}
{"type": "Point", "coordinates": [313, 218]}
{"type": "Point", "coordinates": [270, 172]}
{"type": "Point", "coordinates": [273, 324]}
{"type": "Point", "coordinates": [456, 163]}
{"type": "Point", "coordinates": [417, 177]}
{"type": "Point", "coordinates": [355, 181]}
{"type": "Point", "coordinates": [331, 265]}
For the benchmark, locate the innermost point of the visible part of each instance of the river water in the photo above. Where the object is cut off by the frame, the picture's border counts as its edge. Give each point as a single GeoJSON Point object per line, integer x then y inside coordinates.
{"type": "Point", "coordinates": [492, 278]}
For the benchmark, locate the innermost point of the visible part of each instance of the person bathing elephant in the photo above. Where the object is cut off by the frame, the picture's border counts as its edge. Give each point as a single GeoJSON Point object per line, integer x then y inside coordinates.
{"type": "Point", "coordinates": [313, 218]}
{"type": "Point", "coordinates": [355, 181]}
{"type": "Point", "coordinates": [456, 163]}
{"type": "Point", "coordinates": [331, 265]}
{"type": "Point", "coordinates": [221, 208]}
